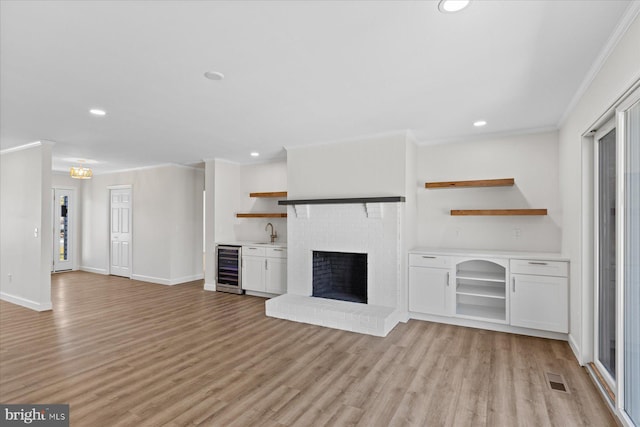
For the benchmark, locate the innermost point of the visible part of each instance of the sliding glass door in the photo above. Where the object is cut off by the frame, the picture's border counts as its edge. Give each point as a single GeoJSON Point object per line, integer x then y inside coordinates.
{"type": "Point", "coordinates": [629, 124]}
{"type": "Point", "coordinates": [617, 259]}
{"type": "Point", "coordinates": [606, 253]}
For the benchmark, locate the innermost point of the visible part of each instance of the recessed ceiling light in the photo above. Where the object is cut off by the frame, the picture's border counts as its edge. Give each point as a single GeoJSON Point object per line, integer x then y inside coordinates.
{"type": "Point", "coordinates": [214, 75]}
{"type": "Point", "coordinates": [97, 112]}
{"type": "Point", "coordinates": [479, 123]}
{"type": "Point", "coordinates": [450, 6]}
{"type": "Point", "coordinates": [254, 154]}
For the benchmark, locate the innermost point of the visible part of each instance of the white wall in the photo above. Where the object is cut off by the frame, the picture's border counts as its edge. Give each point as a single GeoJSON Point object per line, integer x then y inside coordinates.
{"type": "Point", "coordinates": [617, 74]}
{"type": "Point", "coordinates": [166, 223]}
{"type": "Point", "coordinates": [25, 206]}
{"type": "Point", "coordinates": [264, 177]}
{"type": "Point", "coordinates": [63, 180]}
{"type": "Point", "coordinates": [209, 226]}
{"type": "Point", "coordinates": [531, 159]}
{"type": "Point", "coordinates": [365, 167]}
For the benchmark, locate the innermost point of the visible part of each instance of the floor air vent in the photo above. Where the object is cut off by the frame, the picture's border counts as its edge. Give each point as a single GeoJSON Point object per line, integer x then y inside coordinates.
{"type": "Point", "coordinates": [556, 382]}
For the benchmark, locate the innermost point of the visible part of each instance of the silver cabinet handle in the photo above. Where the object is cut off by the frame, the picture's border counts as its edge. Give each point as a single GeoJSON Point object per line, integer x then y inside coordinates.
{"type": "Point", "coordinates": [266, 265]}
{"type": "Point", "coordinates": [537, 263]}
{"type": "Point", "coordinates": [278, 250]}
{"type": "Point", "coordinates": [513, 284]}
{"type": "Point", "coordinates": [428, 257]}
{"type": "Point", "coordinates": [448, 277]}
{"type": "Point", "coordinates": [253, 249]}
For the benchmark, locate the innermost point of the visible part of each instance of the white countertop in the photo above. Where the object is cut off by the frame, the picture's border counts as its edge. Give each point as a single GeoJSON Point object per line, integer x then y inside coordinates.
{"type": "Point", "coordinates": [260, 244]}
{"type": "Point", "coordinates": [490, 253]}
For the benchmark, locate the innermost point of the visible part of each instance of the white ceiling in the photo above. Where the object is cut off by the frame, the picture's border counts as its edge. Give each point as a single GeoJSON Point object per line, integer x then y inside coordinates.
{"type": "Point", "coordinates": [296, 73]}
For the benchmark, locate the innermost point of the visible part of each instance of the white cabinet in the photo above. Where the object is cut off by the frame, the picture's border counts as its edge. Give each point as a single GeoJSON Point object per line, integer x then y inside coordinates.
{"type": "Point", "coordinates": [507, 291]}
{"type": "Point", "coordinates": [540, 295]}
{"type": "Point", "coordinates": [253, 273]}
{"type": "Point", "coordinates": [429, 285]}
{"type": "Point", "coordinates": [264, 269]}
{"type": "Point", "coordinates": [276, 276]}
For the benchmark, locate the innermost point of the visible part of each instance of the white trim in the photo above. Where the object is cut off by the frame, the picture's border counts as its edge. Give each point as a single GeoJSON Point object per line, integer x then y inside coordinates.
{"type": "Point", "coordinates": [139, 168]}
{"type": "Point", "coordinates": [119, 187]}
{"type": "Point", "coordinates": [24, 302]}
{"type": "Point", "coordinates": [210, 287]}
{"type": "Point", "coordinates": [150, 279]}
{"type": "Point", "coordinates": [167, 282]}
{"type": "Point", "coordinates": [25, 146]}
{"type": "Point", "coordinates": [486, 136]}
{"type": "Point", "coordinates": [95, 270]}
{"type": "Point", "coordinates": [489, 326]}
{"type": "Point", "coordinates": [576, 349]}
{"type": "Point", "coordinates": [627, 19]}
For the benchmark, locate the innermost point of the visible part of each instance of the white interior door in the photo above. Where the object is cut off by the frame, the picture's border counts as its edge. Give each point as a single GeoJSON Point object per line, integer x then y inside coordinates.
{"type": "Point", "coordinates": [63, 223]}
{"type": "Point", "coordinates": [120, 248]}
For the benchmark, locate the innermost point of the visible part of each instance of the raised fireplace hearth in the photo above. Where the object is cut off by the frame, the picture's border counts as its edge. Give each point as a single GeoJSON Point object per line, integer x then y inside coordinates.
{"type": "Point", "coordinates": [340, 276]}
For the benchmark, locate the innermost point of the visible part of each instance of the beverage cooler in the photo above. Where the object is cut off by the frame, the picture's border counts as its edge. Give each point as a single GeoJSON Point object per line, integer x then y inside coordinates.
{"type": "Point", "coordinates": [229, 273]}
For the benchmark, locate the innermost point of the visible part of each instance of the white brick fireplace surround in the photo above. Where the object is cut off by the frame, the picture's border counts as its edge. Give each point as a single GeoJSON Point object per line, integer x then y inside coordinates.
{"type": "Point", "coordinates": [374, 228]}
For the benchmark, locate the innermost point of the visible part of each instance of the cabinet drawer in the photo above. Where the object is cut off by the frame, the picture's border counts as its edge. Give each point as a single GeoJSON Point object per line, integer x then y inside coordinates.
{"type": "Point", "coordinates": [253, 250]}
{"type": "Point", "coordinates": [277, 252]}
{"type": "Point", "coordinates": [437, 261]}
{"type": "Point", "coordinates": [539, 267]}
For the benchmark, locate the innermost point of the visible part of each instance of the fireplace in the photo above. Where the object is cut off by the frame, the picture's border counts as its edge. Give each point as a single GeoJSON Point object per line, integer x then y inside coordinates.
{"type": "Point", "coordinates": [367, 297]}
{"type": "Point", "coordinates": [340, 276]}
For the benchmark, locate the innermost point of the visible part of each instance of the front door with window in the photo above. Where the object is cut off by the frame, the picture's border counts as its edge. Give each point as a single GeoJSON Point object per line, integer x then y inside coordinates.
{"type": "Point", "coordinates": [62, 223]}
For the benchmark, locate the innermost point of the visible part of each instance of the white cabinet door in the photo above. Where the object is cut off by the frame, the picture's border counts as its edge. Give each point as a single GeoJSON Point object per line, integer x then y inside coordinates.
{"type": "Point", "coordinates": [429, 291]}
{"type": "Point", "coordinates": [253, 273]}
{"type": "Point", "coordinates": [540, 302]}
{"type": "Point", "coordinates": [276, 276]}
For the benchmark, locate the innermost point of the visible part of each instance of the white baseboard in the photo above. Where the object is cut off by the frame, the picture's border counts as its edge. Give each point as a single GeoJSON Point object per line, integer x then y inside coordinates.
{"type": "Point", "coordinates": [151, 279]}
{"type": "Point", "coordinates": [499, 327]}
{"type": "Point", "coordinates": [168, 282]}
{"type": "Point", "coordinates": [210, 287]}
{"type": "Point", "coordinates": [187, 279]}
{"type": "Point", "coordinates": [94, 270]}
{"type": "Point", "coordinates": [575, 349]}
{"type": "Point", "coordinates": [25, 302]}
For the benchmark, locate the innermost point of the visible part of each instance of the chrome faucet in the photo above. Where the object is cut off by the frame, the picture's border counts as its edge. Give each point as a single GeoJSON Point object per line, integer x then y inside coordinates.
{"type": "Point", "coordinates": [274, 233]}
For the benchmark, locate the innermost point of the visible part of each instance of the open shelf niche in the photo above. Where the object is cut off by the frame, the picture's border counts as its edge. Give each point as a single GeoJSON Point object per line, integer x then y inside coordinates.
{"type": "Point", "coordinates": [269, 194]}
{"type": "Point", "coordinates": [481, 290]}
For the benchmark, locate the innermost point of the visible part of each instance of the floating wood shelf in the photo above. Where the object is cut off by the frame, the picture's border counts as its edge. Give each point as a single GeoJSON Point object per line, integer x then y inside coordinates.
{"type": "Point", "coordinates": [261, 215]}
{"type": "Point", "coordinates": [350, 200]}
{"type": "Point", "coordinates": [482, 212]}
{"type": "Point", "coordinates": [502, 182]}
{"type": "Point", "coordinates": [269, 194]}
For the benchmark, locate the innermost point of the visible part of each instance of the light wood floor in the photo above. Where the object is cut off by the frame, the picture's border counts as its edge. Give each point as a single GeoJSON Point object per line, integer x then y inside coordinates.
{"type": "Point", "coordinates": [127, 353]}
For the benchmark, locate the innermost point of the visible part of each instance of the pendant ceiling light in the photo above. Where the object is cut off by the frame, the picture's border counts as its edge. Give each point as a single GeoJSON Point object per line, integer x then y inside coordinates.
{"type": "Point", "coordinates": [80, 172]}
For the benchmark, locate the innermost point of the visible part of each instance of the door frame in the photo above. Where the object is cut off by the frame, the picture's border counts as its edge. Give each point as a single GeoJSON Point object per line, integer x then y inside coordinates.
{"type": "Point", "coordinates": [120, 187]}
{"type": "Point", "coordinates": [72, 228]}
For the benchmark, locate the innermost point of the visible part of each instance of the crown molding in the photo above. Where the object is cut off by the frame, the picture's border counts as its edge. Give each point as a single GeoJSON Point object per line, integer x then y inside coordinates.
{"type": "Point", "coordinates": [26, 146]}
